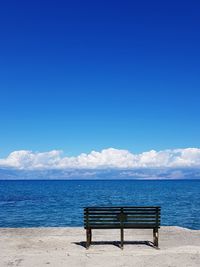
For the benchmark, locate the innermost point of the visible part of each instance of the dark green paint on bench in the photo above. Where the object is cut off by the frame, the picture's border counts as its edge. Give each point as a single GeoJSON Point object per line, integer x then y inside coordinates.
{"type": "Point", "coordinates": [121, 218]}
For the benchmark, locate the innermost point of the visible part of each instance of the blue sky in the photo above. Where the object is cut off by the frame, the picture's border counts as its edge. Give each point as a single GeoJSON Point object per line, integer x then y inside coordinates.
{"type": "Point", "coordinates": [88, 75]}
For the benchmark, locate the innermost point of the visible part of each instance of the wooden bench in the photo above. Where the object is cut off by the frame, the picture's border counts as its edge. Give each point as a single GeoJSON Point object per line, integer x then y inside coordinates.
{"type": "Point", "coordinates": [121, 218]}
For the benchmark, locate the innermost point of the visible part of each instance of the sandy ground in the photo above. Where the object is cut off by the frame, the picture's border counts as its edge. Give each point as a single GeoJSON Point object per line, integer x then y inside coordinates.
{"type": "Point", "coordinates": [65, 247]}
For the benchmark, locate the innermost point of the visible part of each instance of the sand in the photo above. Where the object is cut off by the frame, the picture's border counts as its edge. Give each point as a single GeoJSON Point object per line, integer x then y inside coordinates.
{"type": "Point", "coordinates": [65, 247]}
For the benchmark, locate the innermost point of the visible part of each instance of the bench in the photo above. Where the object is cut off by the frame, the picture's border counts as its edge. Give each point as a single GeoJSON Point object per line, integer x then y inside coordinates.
{"type": "Point", "coordinates": [121, 218]}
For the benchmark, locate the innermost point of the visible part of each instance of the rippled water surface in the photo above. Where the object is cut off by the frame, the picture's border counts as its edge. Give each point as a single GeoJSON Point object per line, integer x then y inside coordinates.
{"type": "Point", "coordinates": [60, 203]}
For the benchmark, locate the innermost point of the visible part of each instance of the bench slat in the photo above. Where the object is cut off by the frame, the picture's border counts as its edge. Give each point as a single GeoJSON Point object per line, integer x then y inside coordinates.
{"type": "Point", "coordinates": [118, 210]}
{"type": "Point", "coordinates": [128, 217]}
{"type": "Point", "coordinates": [124, 207]}
{"type": "Point", "coordinates": [124, 223]}
{"type": "Point", "coordinates": [134, 226]}
{"type": "Point", "coordinates": [127, 214]}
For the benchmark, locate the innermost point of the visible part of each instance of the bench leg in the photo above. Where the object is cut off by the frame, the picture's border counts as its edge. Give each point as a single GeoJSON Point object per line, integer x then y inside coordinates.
{"type": "Point", "coordinates": [88, 237]}
{"type": "Point", "coordinates": [155, 237]}
{"type": "Point", "coordinates": [122, 238]}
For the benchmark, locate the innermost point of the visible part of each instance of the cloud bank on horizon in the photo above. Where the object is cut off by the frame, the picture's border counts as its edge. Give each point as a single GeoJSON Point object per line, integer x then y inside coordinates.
{"type": "Point", "coordinates": [107, 158]}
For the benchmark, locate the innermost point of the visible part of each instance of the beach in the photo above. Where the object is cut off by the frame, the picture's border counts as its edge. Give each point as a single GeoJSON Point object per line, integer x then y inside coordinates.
{"type": "Point", "coordinates": [64, 246]}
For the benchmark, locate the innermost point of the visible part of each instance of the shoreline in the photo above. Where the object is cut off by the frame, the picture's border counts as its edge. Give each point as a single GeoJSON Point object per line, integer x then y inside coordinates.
{"type": "Point", "coordinates": [82, 227]}
{"type": "Point", "coordinates": [2, 228]}
{"type": "Point", "coordinates": [64, 246]}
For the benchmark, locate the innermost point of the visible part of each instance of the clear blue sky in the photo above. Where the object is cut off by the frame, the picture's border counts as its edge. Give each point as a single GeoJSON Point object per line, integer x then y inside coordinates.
{"type": "Point", "coordinates": [83, 75]}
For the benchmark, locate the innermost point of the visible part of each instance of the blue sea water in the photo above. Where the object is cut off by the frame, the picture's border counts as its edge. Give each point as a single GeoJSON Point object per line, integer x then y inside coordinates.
{"type": "Point", "coordinates": [60, 203]}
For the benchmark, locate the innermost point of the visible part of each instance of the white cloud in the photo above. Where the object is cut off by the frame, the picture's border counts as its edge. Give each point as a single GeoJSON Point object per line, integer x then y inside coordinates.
{"type": "Point", "coordinates": [107, 158]}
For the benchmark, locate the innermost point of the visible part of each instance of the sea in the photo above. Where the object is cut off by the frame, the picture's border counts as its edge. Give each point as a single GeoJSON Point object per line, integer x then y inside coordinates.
{"type": "Point", "coordinates": [60, 203]}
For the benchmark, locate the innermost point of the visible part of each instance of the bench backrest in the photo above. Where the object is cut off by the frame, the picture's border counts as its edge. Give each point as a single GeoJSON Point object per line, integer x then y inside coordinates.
{"type": "Point", "coordinates": [121, 217]}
